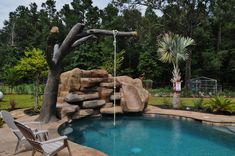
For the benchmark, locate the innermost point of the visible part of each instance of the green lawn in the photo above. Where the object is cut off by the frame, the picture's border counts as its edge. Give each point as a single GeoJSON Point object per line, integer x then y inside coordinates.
{"type": "Point", "coordinates": [22, 101]}
{"type": "Point", "coordinates": [27, 101]}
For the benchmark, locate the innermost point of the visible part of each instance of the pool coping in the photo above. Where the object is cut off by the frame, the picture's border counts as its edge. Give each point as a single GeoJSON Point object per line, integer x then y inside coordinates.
{"type": "Point", "coordinates": [205, 118]}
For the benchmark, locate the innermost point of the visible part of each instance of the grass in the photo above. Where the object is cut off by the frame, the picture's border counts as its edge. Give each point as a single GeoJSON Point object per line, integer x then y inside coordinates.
{"type": "Point", "coordinates": [22, 101]}
{"type": "Point", "coordinates": [27, 101]}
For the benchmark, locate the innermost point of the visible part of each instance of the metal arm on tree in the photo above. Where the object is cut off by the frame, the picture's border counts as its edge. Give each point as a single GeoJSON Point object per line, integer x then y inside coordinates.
{"type": "Point", "coordinates": [55, 54]}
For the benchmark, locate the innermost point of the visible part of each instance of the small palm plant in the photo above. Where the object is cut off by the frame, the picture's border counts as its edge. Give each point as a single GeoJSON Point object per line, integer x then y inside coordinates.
{"type": "Point", "coordinates": [220, 104]}
{"type": "Point", "coordinates": [173, 49]}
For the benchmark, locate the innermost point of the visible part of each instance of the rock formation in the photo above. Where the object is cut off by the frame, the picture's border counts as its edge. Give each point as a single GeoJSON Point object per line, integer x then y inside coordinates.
{"type": "Point", "coordinates": [90, 92]}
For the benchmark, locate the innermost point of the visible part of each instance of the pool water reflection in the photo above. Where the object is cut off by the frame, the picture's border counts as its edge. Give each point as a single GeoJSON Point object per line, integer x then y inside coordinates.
{"type": "Point", "coordinates": [150, 136]}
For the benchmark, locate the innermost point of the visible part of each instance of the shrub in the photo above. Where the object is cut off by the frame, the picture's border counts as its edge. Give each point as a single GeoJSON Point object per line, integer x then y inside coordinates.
{"type": "Point", "coordinates": [198, 104]}
{"type": "Point", "coordinates": [1, 122]}
{"type": "Point", "coordinates": [219, 104]}
{"type": "Point", "coordinates": [13, 104]}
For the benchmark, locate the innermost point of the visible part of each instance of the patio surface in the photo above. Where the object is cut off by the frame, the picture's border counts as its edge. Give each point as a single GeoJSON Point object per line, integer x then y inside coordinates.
{"type": "Point", "coordinates": [8, 139]}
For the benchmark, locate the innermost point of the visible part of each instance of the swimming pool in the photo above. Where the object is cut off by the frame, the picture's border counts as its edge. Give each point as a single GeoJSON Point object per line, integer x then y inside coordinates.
{"type": "Point", "coordinates": [150, 136]}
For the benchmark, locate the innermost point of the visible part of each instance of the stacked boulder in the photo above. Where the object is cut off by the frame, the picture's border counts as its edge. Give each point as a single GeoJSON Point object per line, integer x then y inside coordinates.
{"type": "Point", "coordinates": [91, 92]}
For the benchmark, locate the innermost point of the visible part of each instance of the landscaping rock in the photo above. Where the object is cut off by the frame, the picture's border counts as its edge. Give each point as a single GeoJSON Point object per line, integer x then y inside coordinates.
{"type": "Point", "coordinates": [86, 90]}
{"type": "Point", "coordinates": [117, 96]}
{"type": "Point", "coordinates": [118, 110]}
{"type": "Point", "coordinates": [74, 80]}
{"type": "Point", "coordinates": [104, 93]}
{"type": "Point", "coordinates": [135, 97]}
{"type": "Point", "coordinates": [108, 105]}
{"type": "Point", "coordinates": [83, 113]}
{"type": "Point", "coordinates": [73, 98]}
{"type": "Point", "coordinates": [100, 73]}
{"type": "Point", "coordinates": [90, 82]}
{"type": "Point", "coordinates": [109, 84]}
{"type": "Point", "coordinates": [93, 104]}
{"type": "Point", "coordinates": [65, 110]}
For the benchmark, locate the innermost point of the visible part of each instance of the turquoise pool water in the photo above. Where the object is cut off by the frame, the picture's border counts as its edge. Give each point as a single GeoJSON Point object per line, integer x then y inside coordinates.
{"type": "Point", "coordinates": [150, 136]}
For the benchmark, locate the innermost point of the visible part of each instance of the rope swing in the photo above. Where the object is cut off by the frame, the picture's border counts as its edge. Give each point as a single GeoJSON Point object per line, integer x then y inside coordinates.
{"type": "Point", "coordinates": [115, 32]}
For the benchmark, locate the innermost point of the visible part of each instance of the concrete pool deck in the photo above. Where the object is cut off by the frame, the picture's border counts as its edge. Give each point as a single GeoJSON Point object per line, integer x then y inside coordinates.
{"type": "Point", "coordinates": [8, 140]}
{"type": "Point", "coordinates": [205, 118]}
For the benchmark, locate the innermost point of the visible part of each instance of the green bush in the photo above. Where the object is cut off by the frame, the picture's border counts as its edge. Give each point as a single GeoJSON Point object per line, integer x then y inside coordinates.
{"type": "Point", "coordinates": [219, 104]}
{"type": "Point", "coordinates": [198, 104]}
{"type": "Point", "coordinates": [1, 122]}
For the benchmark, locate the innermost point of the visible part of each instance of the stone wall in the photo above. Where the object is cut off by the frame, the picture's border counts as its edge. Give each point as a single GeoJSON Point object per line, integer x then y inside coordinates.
{"type": "Point", "coordinates": [90, 92]}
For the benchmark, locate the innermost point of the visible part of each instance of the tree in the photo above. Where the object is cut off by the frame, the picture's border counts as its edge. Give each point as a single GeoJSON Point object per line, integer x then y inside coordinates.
{"type": "Point", "coordinates": [55, 54]}
{"type": "Point", "coordinates": [172, 49]}
{"type": "Point", "coordinates": [33, 65]}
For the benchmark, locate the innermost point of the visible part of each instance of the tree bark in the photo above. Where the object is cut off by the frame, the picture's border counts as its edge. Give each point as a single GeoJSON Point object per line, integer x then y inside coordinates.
{"type": "Point", "coordinates": [48, 112]}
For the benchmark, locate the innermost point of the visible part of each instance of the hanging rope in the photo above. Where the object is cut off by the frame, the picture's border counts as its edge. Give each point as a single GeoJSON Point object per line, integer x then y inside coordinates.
{"type": "Point", "coordinates": [115, 32]}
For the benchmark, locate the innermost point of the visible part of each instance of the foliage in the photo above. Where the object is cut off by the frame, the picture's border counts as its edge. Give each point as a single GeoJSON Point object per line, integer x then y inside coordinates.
{"type": "Point", "coordinates": [109, 63]}
{"type": "Point", "coordinates": [12, 104]}
{"type": "Point", "coordinates": [172, 49]}
{"type": "Point", "coordinates": [219, 104]}
{"type": "Point", "coordinates": [1, 122]}
{"type": "Point", "coordinates": [198, 104]}
{"type": "Point", "coordinates": [34, 64]}
{"type": "Point", "coordinates": [23, 101]}
{"type": "Point", "coordinates": [209, 23]}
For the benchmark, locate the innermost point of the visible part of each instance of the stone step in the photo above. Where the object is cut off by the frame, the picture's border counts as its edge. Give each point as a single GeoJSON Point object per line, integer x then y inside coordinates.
{"type": "Point", "coordinates": [118, 110]}
{"type": "Point", "coordinates": [104, 93]}
{"type": "Point", "coordinates": [89, 89]}
{"type": "Point", "coordinates": [100, 73]}
{"type": "Point", "coordinates": [109, 84]}
{"type": "Point", "coordinates": [90, 82]}
{"type": "Point", "coordinates": [108, 105]}
{"type": "Point", "coordinates": [83, 113]}
{"type": "Point", "coordinates": [60, 99]}
{"type": "Point", "coordinates": [117, 96]}
{"type": "Point", "coordinates": [73, 98]}
{"type": "Point", "coordinates": [93, 103]}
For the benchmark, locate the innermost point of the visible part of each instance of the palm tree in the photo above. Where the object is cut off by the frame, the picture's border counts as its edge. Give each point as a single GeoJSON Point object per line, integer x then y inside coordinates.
{"type": "Point", "coordinates": [173, 49]}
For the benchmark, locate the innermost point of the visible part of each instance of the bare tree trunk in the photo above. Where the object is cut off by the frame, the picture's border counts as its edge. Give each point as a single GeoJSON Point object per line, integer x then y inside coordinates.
{"type": "Point", "coordinates": [36, 94]}
{"type": "Point", "coordinates": [48, 112]}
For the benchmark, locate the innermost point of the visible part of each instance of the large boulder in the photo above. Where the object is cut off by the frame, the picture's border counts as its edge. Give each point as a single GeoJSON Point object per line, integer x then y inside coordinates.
{"type": "Point", "coordinates": [83, 113]}
{"type": "Point", "coordinates": [134, 96]}
{"type": "Point", "coordinates": [93, 103]}
{"type": "Point", "coordinates": [75, 80]}
{"type": "Point", "coordinates": [110, 110]}
{"type": "Point", "coordinates": [74, 98]}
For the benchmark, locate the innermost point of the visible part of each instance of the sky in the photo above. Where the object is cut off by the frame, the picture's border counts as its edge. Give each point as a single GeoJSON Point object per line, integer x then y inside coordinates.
{"type": "Point", "coordinates": [6, 6]}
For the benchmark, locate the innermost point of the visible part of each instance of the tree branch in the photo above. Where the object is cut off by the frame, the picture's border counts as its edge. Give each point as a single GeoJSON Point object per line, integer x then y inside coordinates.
{"type": "Point", "coordinates": [51, 41]}
{"type": "Point", "coordinates": [65, 47]}
{"type": "Point", "coordinates": [110, 32]}
{"type": "Point", "coordinates": [81, 40]}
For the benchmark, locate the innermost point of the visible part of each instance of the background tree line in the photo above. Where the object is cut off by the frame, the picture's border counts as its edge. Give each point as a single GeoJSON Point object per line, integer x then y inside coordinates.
{"type": "Point", "coordinates": [211, 23]}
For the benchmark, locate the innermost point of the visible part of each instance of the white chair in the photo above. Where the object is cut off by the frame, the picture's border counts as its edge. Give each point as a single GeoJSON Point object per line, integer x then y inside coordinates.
{"type": "Point", "coordinates": [9, 120]}
{"type": "Point", "coordinates": [47, 148]}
